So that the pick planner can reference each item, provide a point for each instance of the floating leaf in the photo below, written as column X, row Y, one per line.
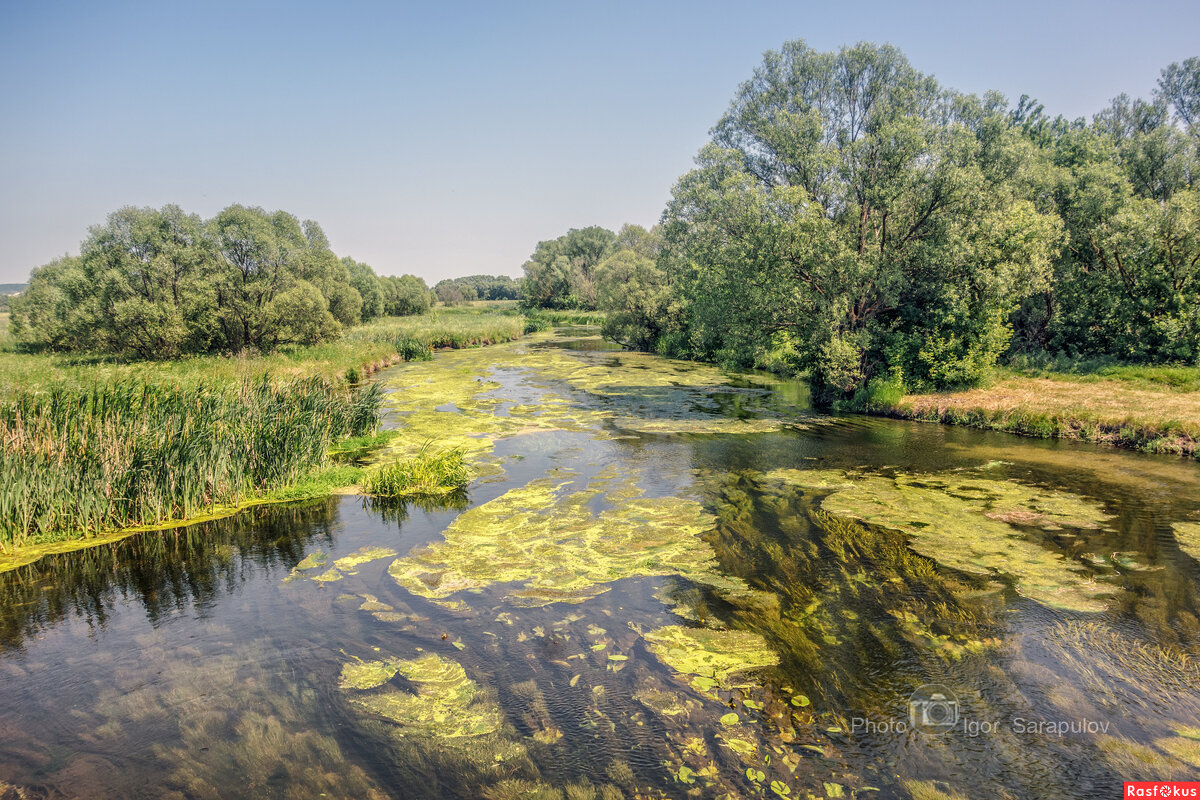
column 730, row 719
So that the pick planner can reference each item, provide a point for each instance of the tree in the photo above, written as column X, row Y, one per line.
column 1179, row 87
column 367, row 284
column 162, row 283
column 855, row 214
column 405, row 296
column 561, row 273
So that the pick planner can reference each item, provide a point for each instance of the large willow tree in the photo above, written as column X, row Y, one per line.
column 853, row 217
column 161, row 283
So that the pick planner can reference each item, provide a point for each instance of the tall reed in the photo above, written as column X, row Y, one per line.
column 76, row 461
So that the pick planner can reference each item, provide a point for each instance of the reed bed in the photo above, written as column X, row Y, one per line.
column 429, row 472
column 116, row 455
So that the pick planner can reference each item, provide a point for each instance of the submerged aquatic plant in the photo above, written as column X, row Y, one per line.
column 972, row 525
column 429, row 472
column 1187, row 536
column 444, row 703
column 719, row 656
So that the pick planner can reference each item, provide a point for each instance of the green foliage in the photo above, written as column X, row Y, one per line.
column 155, row 284
column 634, row 290
column 561, row 273
column 879, row 394
column 879, row 221
column 430, row 471
column 405, row 296
column 477, row 287
column 410, row 348
column 123, row 454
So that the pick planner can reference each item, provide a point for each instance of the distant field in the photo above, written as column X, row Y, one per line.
column 363, row 349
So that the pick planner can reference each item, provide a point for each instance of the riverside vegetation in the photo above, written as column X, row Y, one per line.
column 96, row 444
column 891, row 239
column 664, row 580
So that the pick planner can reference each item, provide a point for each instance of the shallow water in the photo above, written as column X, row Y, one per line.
column 665, row 582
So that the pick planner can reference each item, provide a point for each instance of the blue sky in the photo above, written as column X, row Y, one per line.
column 446, row 139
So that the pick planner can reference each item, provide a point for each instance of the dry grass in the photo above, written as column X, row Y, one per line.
column 1113, row 402
column 1138, row 414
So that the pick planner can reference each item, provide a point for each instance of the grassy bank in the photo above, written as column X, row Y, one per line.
column 1153, row 409
column 362, row 349
column 95, row 446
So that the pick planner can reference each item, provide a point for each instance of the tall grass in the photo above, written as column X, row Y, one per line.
column 544, row 319
column 429, row 472
column 363, row 349
column 125, row 454
column 94, row 444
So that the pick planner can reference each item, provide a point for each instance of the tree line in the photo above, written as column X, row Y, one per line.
column 453, row 291
column 853, row 219
column 163, row 283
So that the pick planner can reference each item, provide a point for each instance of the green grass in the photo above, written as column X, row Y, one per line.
column 544, row 319
column 364, row 349
column 78, row 462
column 94, row 445
column 356, row 448
column 1177, row 377
column 429, row 472
column 319, row 483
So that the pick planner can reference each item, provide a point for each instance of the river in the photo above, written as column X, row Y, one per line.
column 665, row 581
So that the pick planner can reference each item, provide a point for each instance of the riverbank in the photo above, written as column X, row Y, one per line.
column 97, row 449
column 1155, row 410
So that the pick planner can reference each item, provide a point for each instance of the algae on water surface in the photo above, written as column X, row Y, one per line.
column 972, row 525
column 553, row 545
column 719, row 656
column 445, row 703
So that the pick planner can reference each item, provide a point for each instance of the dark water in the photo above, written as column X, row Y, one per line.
column 186, row 664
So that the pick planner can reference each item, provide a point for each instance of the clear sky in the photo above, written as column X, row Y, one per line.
column 447, row 138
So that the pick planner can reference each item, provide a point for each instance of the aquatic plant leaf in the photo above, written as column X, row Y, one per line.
column 446, row 704
column 1184, row 748
column 362, row 556
column 368, row 674
column 331, row 574
column 1187, row 536
column 932, row 790
column 313, row 560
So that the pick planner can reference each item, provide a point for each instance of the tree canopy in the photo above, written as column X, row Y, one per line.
column 854, row 219
column 163, row 283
